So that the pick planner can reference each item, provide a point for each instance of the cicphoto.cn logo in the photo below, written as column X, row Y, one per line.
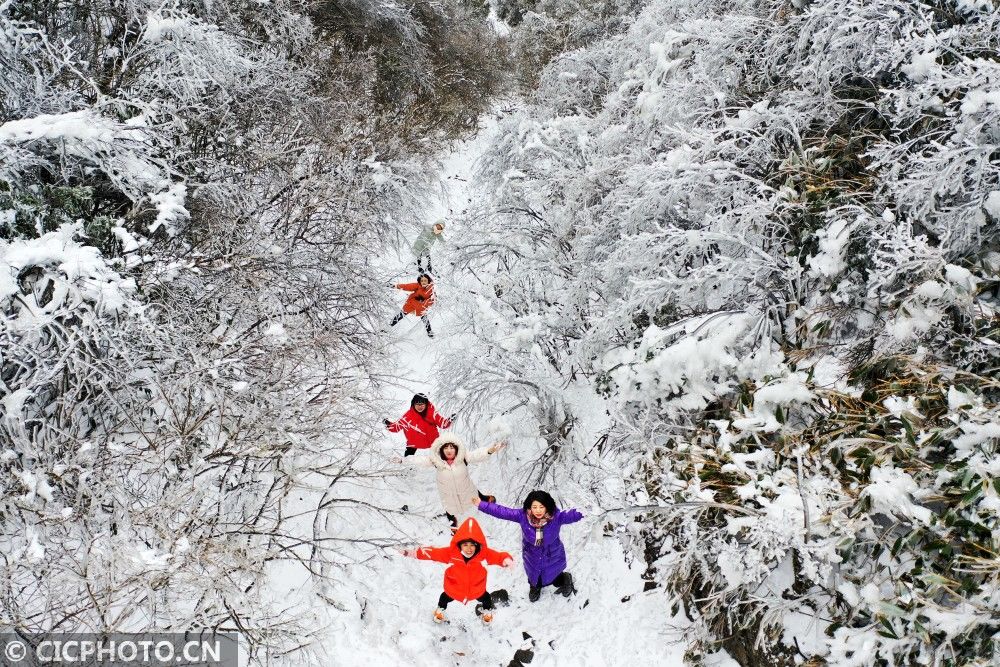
column 147, row 649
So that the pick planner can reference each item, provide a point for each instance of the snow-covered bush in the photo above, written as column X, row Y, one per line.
column 766, row 233
column 434, row 65
column 189, row 197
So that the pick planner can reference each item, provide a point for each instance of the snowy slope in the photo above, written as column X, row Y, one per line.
column 379, row 611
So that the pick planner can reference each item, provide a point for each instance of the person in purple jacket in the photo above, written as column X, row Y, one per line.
column 543, row 553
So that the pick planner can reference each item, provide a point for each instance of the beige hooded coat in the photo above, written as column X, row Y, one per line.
column 454, row 484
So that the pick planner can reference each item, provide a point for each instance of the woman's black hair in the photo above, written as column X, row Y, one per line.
column 425, row 275
column 419, row 398
column 542, row 497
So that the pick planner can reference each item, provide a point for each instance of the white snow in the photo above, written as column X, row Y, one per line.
column 890, row 492
column 952, row 621
column 34, row 551
column 961, row 398
column 776, row 394
column 833, row 240
column 920, row 66
column 76, row 125
column 387, row 600
column 159, row 27
column 978, row 100
column 170, row 208
column 992, row 204
column 973, row 435
column 960, row 277
column 36, row 486
column 79, row 264
column 930, row 289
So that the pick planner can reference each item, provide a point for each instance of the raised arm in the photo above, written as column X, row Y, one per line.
column 483, row 453
column 499, row 511
column 569, row 516
column 438, row 420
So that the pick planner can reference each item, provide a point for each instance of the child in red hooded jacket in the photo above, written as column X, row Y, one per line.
column 465, row 578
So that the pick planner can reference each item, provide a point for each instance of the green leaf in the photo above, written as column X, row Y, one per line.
column 932, row 579
column 972, row 495
column 889, row 609
column 837, row 457
column 896, row 545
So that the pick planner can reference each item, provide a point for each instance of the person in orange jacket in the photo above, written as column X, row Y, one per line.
column 465, row 578
column 421, row 298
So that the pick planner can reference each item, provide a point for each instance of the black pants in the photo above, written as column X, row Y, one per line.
column 410, row 451
column 485, row 599
column 400, row 315
column 558, row 582
column 420, row 267
column 454, row 519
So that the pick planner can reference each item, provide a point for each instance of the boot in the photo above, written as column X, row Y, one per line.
column 534, row 593
column 486, row 616
column 567, row 586
column 439, row 615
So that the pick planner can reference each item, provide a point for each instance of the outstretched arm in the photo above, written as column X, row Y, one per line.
column 437, row 554
column 409, row 287
column 416, row 461
column 499, row 511
column 494, row 557
column 483, row 453
column 570, row 516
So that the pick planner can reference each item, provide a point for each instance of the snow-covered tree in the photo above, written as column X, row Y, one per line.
column 189, row 198
column 766, row 234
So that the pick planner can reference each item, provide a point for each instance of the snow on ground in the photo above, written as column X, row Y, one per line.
column 379, row 610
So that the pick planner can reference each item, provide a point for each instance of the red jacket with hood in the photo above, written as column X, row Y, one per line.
column 421, row 298
column 465, row 580
column 421, row 430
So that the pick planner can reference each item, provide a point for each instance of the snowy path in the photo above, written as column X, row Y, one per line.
column 387, row 619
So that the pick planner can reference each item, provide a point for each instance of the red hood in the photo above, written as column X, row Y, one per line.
column 469, row 530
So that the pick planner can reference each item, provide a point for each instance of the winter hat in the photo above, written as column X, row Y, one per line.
column 542, row 497
column 419, row 398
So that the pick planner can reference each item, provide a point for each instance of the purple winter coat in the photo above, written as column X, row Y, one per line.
column 547, row 560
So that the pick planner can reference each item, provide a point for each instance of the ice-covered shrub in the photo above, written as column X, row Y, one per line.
column 766, row 234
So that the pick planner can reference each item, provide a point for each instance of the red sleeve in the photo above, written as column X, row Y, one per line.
column 494, row 557
column 396, row 426
column 437, row 554
column 409, row 287
column 438, row 420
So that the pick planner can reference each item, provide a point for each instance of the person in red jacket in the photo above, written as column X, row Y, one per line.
column 465, row 579
column 419, row 424
column 421, row 298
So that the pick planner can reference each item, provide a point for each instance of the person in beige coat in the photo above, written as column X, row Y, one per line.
column 450, row 458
